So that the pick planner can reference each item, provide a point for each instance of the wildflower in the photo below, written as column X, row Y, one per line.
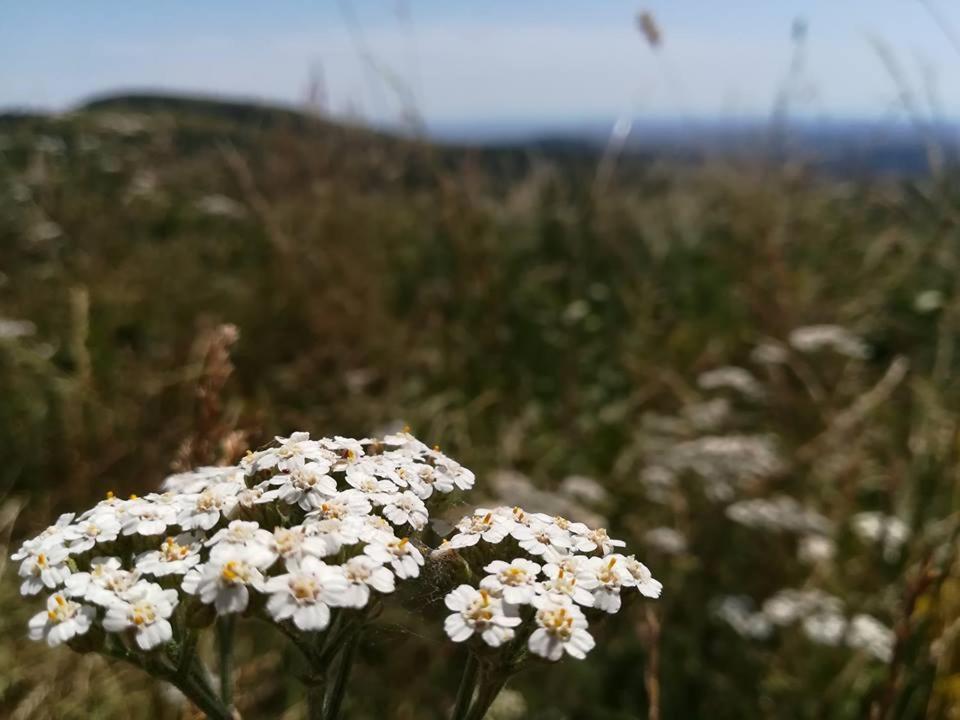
column 42, row 567
column 295, row 449
column 609, row 574
column 561, row 627
column 569, row 585
column 483, row 524
column 886, row 530
column 175, row 556
column 514, row 581
column 736, row 612
column 401, row 554
column 363, row 573
column 869, row 634
column 61, row 621
column 148, row 516
column 597, row 540
column 477, row 611
column 145, row 607
column 306, row 484
column 539, row 538
column 101, row 528
column 825, row 628
column 640, row 577
column 406, row 508
column 815, row 338
column 103, row 583
column 816, row 548
column 733, row 378
column 666, row 540
column 204, row 510
column 341, row 505
column 305, row 594
column 224, row 581
column 379, row 491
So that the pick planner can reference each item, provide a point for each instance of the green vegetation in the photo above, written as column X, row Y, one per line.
column 529, row 315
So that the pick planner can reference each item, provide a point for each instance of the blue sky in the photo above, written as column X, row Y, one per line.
column 485, row 61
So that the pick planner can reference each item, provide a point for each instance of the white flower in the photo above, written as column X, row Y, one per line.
column 241, row 533
column 566, row 585
column 306, row 593
column 61, row 621
column 826, row 628
column 105, row 581
column 459, row 475
column 539, row 538
column 148, row 516
column 515, row 582
column 199, row 479
column 225, row 581
column 561, row 628
column 294, row 449
column 205, row 509
column 42, row 567
column 814, row 338
column 477, row 611
column 888, row 531
column 362, row 573
column 815, row 549
column 342, row 505
column 401, row 554
column 610, row 576
column 869, row 634
column 293, row 544
column 334, row 533
column 406, row 508
column 175, row 556
column 306, row 484
column 597, row 540
column 424, row 479
column 144, row 607
column 482, row 525
column 641, row 578
column 100, row 528
column 362, row 479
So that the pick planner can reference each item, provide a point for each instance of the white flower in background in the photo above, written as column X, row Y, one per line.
column 400, row 554
column 814, row 549
column 483, row 524
column 145, row 607
column 514, row 581
column 305, row 594
column 477, row 611
column 788, row 606
column 825, row 628
column 732, row 378
column 204, row 510
column 737, row 612
column 610, row 575
column 561, row 627
column 869, row 634
column 363, row 573
column 100, row 528
column 815, row 338
column 225, row 581
column 175, row 556
column 43, row 567
column 61, row 621
column 306, row 484
column 666, row 540
column 886, row 530
column 406, row 509
column 769, row 352
column 640, row 577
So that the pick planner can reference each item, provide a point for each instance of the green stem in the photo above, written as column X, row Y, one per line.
column 316, row 690
column 338, row 691
column 225, row 627
column 491, row 683
column 468, row 683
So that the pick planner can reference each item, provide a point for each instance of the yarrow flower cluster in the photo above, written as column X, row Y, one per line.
column 311, row 535
column 548, row 575
column 309, row 524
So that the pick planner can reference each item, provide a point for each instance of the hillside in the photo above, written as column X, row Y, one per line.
column 542, row 316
